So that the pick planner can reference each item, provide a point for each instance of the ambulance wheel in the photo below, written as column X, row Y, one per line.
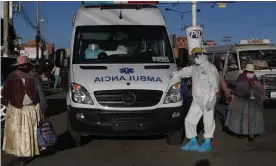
column 176, row 138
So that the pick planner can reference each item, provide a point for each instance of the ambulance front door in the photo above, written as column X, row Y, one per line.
column 232, row 71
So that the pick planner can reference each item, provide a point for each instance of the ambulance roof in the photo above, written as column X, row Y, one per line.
column 253, row 44
column 253, row 47
column 89, row 15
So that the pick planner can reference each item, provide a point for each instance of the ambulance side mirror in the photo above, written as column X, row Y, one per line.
column 59, row 57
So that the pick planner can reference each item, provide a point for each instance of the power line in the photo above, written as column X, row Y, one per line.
column 239, row 15
column 244, row 13
column 26, row 18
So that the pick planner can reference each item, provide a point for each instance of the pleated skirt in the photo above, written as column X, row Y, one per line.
column 20, row 133
column 245, row 117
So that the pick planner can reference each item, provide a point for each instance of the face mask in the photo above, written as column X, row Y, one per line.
column 25, row 70
column 93, row 47
column 250, row 75
column 197, row 61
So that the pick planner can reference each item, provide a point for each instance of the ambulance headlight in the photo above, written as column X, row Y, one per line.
column 174, row 94
column 80, row 94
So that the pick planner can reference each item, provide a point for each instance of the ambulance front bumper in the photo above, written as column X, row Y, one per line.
column 126, row 123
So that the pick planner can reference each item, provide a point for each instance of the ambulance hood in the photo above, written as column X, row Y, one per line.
column 263, row 72
column 124, row 76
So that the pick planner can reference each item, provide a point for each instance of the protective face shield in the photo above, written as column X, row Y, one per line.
column 199, row 55
column 200, row 58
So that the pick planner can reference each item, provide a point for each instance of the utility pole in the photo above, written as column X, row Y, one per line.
column 37, row 30
column 11, row 12
column 194, row 14
column 194, row 32
column 42, row 37
column 6, row 28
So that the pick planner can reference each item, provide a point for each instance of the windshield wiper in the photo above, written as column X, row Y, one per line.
column 120, row 55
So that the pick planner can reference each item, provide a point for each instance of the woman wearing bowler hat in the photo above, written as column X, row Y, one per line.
column 245, row 117
column 23, row 114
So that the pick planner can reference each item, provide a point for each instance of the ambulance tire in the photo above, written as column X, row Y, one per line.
column 176, row 138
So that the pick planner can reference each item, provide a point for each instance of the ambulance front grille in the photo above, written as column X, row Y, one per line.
column 270, row 81
column 114, row 98
column 128, row 117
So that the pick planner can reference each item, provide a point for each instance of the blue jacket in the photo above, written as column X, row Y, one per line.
column 89, row 54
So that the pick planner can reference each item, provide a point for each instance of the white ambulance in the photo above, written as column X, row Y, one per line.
column 259, row 52
column 120, row 73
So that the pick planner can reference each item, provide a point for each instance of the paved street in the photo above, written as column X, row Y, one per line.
column 227, row 150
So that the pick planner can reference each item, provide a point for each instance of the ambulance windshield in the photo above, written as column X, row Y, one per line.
column 121, row 44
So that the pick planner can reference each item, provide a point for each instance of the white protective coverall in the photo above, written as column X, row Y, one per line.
column 205, row 84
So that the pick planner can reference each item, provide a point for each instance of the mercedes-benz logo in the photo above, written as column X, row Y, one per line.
column 129, row 98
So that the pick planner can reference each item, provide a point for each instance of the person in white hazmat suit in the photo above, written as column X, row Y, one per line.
column 205, row 84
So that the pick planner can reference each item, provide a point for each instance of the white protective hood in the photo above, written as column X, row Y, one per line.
column 116, row 77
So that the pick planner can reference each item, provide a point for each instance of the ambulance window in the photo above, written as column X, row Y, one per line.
column 232, row 62
column 122, row 44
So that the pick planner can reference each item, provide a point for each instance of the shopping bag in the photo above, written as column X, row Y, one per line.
column 46, row 135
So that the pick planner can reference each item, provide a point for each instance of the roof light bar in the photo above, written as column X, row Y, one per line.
column 255, row 41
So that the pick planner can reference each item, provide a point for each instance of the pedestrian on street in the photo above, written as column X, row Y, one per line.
column 245, row 116
column 205, row 84
column 225, row 92
column 24, row 111
column 56, row 72
column 35, row 71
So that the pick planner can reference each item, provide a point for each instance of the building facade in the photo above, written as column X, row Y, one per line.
column 29, row 49
column 32, row 43
column 181, row 42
